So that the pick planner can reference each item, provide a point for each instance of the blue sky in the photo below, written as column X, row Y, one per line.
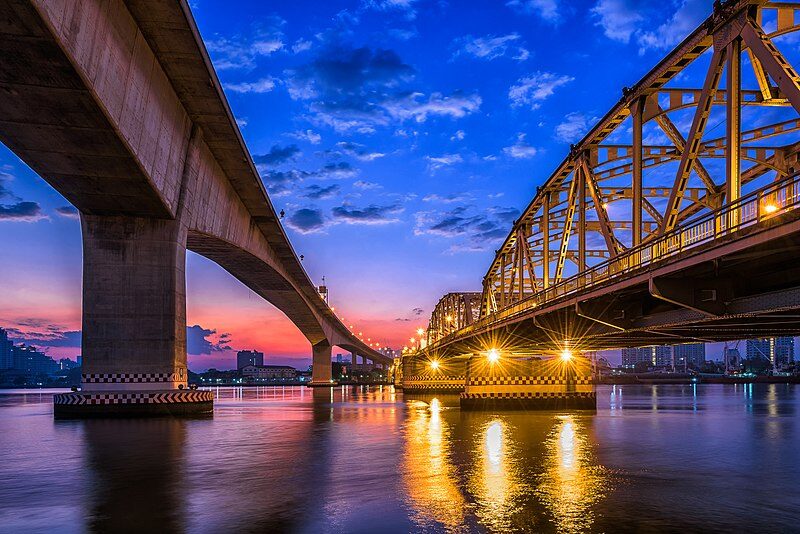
column 400, row 137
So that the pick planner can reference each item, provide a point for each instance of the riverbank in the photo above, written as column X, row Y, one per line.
column 660, row 378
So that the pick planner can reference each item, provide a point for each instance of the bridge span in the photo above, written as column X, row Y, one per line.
column 655, row 229
column 117, row 105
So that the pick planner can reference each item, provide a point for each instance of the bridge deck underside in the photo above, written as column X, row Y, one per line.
column 735, row 289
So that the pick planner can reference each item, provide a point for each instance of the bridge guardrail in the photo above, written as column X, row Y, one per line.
column 749, row 210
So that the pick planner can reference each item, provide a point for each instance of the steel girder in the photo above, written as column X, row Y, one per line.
column 573, row 220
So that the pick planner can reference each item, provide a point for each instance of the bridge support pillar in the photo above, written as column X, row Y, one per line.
column 321, row 365
column 134, row 321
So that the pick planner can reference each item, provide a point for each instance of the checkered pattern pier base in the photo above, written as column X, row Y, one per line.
column 140, row 403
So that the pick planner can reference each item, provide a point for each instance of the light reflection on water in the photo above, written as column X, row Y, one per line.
column 679, row 458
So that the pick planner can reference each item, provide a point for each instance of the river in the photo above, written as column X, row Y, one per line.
column 682, row 458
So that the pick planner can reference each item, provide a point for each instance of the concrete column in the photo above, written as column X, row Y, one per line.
column 321, row 366
column 134, row 304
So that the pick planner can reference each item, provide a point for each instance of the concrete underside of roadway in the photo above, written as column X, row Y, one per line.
column 739, row 288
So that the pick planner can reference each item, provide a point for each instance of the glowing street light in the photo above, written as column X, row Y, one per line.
column 770, row 208
column 566, row 355
column 420, row 331
column 412, row 340
column 434, row 364
column 493, row 355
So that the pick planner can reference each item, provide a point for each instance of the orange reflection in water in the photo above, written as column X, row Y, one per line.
column 571, row 482
column 495, row 483
column 428, row 475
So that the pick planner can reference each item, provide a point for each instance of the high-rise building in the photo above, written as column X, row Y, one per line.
column 6, row 351
column 32, row 361
column 338, row 358
column 689, row 354
column 784, row 350
column 733, row 360
column 654, row 356
column 778, row 350
column 249, row 357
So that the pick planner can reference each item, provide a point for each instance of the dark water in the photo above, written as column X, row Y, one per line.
column 654, row 458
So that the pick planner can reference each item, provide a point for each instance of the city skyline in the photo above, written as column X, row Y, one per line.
column 394, row 144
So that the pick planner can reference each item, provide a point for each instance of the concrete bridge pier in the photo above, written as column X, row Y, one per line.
column 134, row 321
column 321, row 365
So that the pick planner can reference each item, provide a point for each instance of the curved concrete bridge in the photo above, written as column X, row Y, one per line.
column 116, row 104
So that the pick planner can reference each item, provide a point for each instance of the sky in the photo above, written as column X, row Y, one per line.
column 400, row 137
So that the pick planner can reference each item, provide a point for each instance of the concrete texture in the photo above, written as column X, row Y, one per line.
column 117, row 106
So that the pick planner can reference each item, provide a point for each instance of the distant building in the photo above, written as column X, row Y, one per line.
column 733, row 360
column 249, row 357
column 690, row 354
column 269, row 372
column 777, row 350
column 654, row 356
column 65, row 364
column 338, row 358
column 6, row 351
column 31, row 361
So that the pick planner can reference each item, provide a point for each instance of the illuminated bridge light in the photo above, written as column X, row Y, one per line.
column 420, row 331
column 435, row 365
column 566, row 355
column 770, row 208
column 493, row 355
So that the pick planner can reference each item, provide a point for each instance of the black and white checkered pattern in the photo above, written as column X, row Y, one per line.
column 527, row 380
column 529, row 395
column 97, row 378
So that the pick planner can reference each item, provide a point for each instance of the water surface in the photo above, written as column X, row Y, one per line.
column 355, row 459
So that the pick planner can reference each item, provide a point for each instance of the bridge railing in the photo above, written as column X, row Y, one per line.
column 748, row 211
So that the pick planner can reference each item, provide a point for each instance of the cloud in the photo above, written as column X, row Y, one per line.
column 70, row 212
column 682, row 23
column 40, row 333
column 318, row 192
column 243, row 52
column 5, row 192
column 201, row 340
column 470, row 229
column 369, row 215
column 534, row 89
column 241, row 121
column 306, row 220
column 21, row 212
column 358, row 151
column 409, row 106
column 405, row 7
column 264, row 85
column 308, row 135
column 361, row 184
column 301, row 45
column 620, row 19
column 341, row 70
column 574, row 126
column 280, row 183
column 521, row 149
column 491, row 47
column 445, row 160
column 417, row 312
column 459, row 136
column 627, row 20
column 277, row 155
column 358, row 90
column 447, row 199
column 547, row 10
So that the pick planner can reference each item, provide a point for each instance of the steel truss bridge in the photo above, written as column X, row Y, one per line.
column 673, row 220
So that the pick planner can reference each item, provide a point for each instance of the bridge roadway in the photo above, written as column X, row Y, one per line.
column 117, row 105
column 613, row 253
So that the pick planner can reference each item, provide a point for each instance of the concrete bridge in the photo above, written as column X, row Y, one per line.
column 117, row 105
